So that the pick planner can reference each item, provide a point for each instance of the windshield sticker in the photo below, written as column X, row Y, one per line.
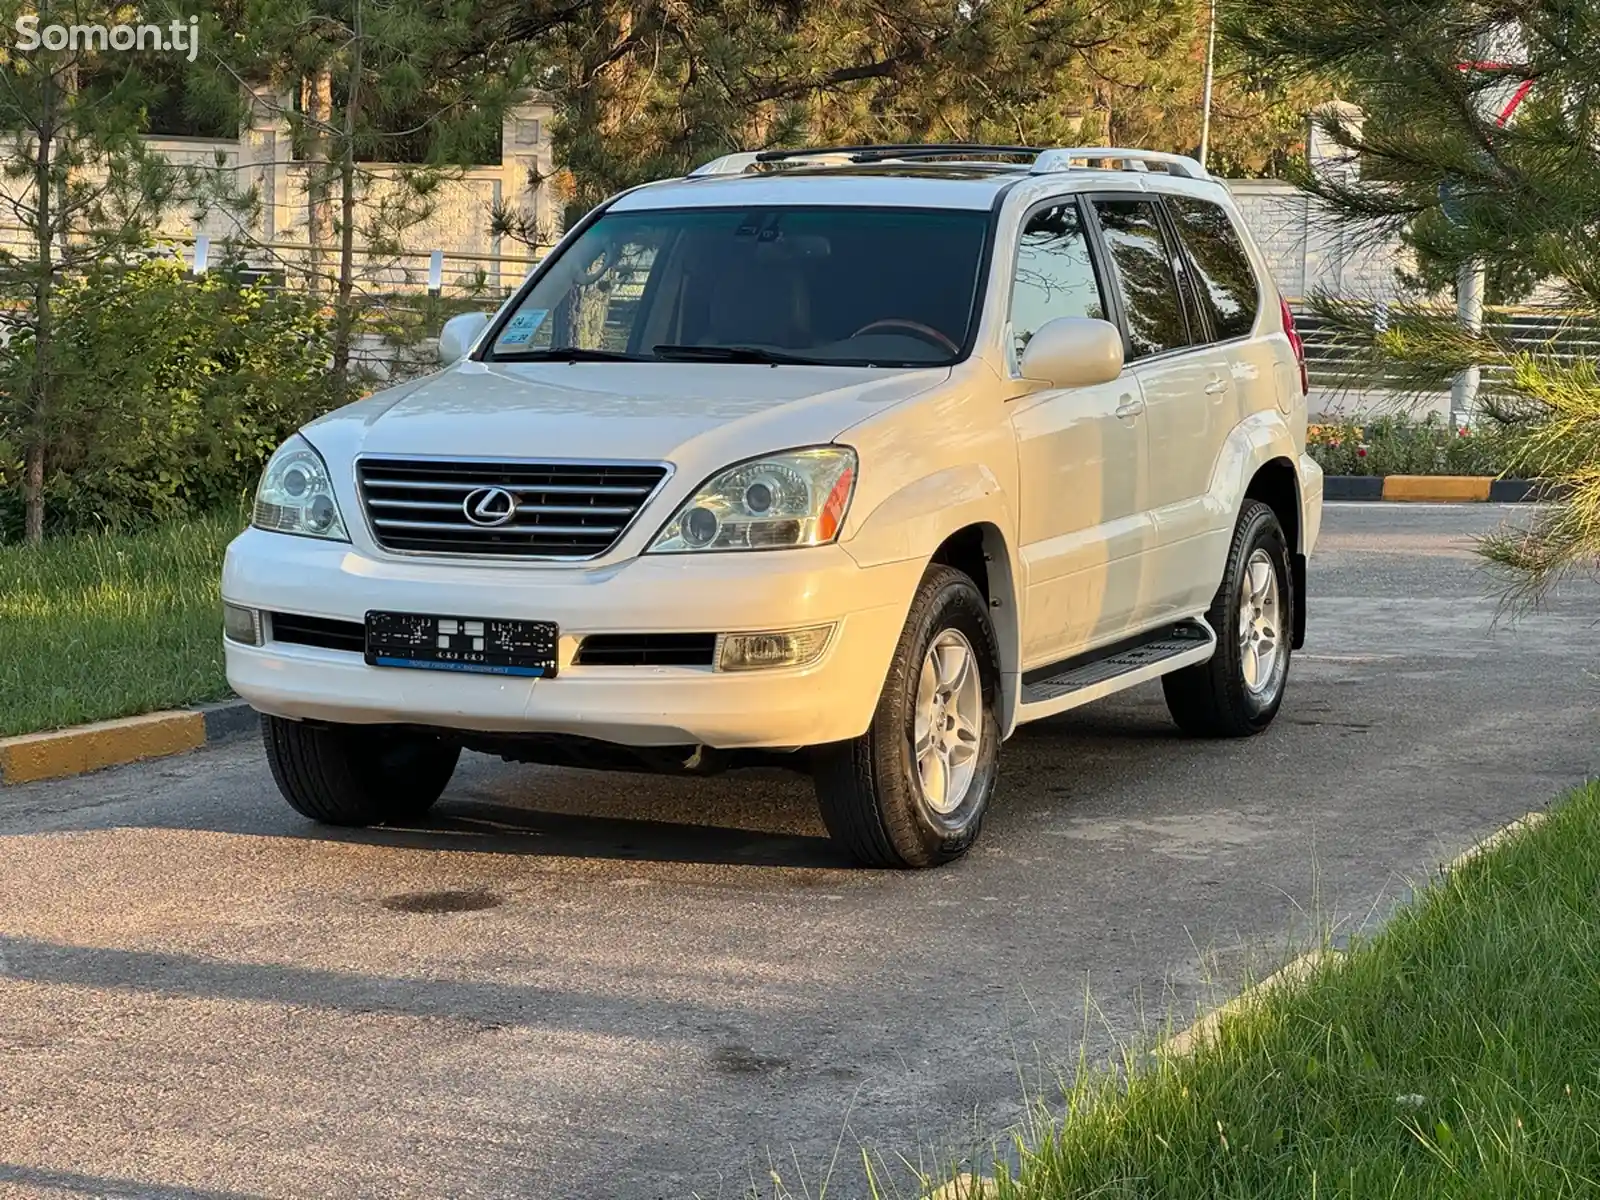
column 523, row 326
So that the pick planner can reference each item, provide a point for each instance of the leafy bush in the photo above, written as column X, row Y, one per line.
column 171, row 393
column 1402, row 446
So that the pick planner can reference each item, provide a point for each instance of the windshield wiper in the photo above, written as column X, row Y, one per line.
column 733, row 354
column 568, row 354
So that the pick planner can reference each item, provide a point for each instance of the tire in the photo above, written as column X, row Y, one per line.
column 357, row 774
column 871, row 791
column 1228, row 696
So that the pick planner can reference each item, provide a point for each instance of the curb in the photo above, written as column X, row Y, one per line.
column 32, row 757
column 1436, row 488
column 1298, row 970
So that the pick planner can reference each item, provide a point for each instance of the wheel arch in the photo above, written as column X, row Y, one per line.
column 1276, row 484
column 959, row 517
column 1259, row 461
column 979, row 551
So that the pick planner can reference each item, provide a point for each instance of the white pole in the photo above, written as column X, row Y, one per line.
column 1211, row 67
column 436, row 272
column 202, row 253
column 1469, row 309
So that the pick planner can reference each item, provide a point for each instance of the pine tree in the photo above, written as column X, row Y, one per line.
column 1479, row 149
column 85, row 196
column 646, row 89
column 386, row 100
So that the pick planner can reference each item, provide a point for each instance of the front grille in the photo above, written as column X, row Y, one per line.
column 647, row 650
column 563, row 510
column 319, row 631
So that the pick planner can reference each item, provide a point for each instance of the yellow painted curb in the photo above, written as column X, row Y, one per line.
column 1436, row 487
column 35, row 756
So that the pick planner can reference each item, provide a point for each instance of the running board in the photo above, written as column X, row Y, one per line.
column 1087, row 677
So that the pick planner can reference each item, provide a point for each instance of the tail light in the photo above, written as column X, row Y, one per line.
column 1299, row 345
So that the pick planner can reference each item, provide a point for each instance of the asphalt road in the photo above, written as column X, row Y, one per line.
column 662, row 988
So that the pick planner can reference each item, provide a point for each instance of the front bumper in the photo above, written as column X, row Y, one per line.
column 636, row 706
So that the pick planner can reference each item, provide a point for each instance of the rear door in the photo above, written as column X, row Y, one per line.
column 1081, row 455
column 1181, row 379
column 1239, row 380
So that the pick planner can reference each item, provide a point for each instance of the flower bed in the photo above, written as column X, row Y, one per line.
column 1402, row 446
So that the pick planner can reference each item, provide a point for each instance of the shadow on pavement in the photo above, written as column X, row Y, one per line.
column 100, row 1185
column 487, row 1003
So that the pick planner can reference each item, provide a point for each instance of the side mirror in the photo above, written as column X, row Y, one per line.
column 1073, row 352
column 458, row 334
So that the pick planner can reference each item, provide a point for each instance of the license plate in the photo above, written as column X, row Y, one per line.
column 476, row 645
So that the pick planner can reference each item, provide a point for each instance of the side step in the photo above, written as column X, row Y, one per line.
column 1087, row 677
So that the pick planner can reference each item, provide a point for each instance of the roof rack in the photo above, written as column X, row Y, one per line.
column 1044, row 159
column 1139, row 160
column 738, row 164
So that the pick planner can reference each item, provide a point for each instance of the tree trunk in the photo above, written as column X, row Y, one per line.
column 36, row 430
column 344, row 308
column 33, row 494
column 316, row 102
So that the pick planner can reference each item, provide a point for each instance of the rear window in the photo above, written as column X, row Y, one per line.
column 831, row 285
column 1228, row 289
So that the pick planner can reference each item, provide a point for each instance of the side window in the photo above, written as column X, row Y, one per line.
column 1144, row 273
column 1226, row 282
column 1055, row 275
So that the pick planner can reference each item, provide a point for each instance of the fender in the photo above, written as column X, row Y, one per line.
column 912, row 521
column 915, row 520
column 1260, row 438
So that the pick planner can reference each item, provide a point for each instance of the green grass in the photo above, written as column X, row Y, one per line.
column 109, row 625
column 1455, row 1053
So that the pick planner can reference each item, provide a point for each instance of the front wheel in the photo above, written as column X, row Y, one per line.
column 1238, row 691
column 357, row 774
column 912, row 791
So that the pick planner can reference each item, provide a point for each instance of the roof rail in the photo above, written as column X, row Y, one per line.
column 738, row 164
column 728, row 164
column 883, row 150
column 1042, row 159
column 1066, row 159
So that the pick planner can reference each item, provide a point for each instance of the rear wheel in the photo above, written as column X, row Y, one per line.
column 912, row 791
column 1238, row 692
column 357, row 774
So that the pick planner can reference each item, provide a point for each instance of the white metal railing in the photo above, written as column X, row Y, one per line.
column 1336, row 356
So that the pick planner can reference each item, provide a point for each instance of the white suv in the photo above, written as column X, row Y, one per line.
column 854, row 459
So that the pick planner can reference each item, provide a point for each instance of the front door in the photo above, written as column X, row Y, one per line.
column 1081, row 451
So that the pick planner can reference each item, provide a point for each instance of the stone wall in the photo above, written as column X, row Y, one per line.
column 1309, row 250
column 261, row 159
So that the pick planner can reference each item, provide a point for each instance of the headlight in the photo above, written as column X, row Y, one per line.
column 798, row 498
column 296, row 496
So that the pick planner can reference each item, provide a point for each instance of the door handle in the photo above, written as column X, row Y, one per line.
column 1130, row 407
column 1216, row 387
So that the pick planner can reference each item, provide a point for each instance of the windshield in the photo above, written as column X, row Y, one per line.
column 838, row 286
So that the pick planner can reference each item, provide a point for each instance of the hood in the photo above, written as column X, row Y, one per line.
column 675, row 412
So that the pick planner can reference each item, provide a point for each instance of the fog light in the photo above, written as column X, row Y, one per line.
column 779, row 648
column 241, row 625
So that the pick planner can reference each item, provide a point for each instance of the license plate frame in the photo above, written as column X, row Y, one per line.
column 466, row 645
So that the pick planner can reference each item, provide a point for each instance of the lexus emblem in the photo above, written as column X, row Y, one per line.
column 489, row 506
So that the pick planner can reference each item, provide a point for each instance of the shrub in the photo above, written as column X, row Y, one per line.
column 171, row 393
column 1403, row 446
